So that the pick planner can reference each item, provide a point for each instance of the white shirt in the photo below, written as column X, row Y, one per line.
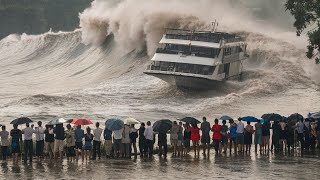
column 4, row 138
column 117, row 134
column 28, row 133
column 39, row 133
column 97, row 134
column 240, row 127
column 126, row 132
column 148, row 133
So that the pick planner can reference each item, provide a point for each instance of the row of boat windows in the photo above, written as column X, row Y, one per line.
column 188, row 50
column 182, row 67
column 198, row 51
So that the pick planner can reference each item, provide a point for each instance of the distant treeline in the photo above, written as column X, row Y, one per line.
column 38, row 16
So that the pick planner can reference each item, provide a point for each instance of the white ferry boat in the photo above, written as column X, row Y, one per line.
column 198, row 59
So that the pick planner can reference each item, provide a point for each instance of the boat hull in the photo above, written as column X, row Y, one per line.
column 187, row 82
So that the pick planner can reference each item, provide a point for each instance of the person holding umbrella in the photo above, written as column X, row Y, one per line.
column 186, row 138
column 162, row 143
column 79, row 135
column 28, row 144
column 16, row 139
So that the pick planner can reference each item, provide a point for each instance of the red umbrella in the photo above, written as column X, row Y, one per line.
column 81, row 122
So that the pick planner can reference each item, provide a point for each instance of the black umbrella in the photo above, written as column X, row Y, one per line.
column 190, row 120
column 295, row 117
column 22, row 120
column 163, row 125
column 272, row 117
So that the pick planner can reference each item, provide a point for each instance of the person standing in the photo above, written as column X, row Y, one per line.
column 88, row 138
column 28, row 144
column 39, row 140
column 187, row 138
column 180, row 140
column 107, row 134
column 174, row 137
column 59, row 140
column 266, row 135
column 117, row 142
column 205, row 138
column 307, row 130
column 240, row 135
column 313, row 135
column 79, row 135
column 224, row 136
column 216, row 137
column 258, row 136
column 195, row 138
column 96, row 142
column 16, row 139
column 148, row 133
column 142, row 140
column 126, row 142
column 300, row 131
column 162, row 143
column 233, row 136
column 133, row 138
column 49, row 140
column 70, row 141
column 248, row 136
column 4, row 134
column 276, row 130
column 283, row 135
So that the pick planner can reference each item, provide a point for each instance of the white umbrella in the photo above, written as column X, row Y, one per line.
column 57, row 121
column 129, row 121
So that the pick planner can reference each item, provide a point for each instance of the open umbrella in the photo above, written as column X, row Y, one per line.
column 56, row 121
column 81, row 122
column 295, row 117
column 22, row 120
column 190, row 120
column 272, row 117
column 250, row 119
column 163, row 125
column 315, row 115
column 130, row 121
column 114, row 124
column 225, row 117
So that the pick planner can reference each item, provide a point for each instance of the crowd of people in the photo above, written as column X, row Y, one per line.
column 235, row 137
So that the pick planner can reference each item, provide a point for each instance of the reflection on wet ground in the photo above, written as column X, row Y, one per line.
column 250, row 166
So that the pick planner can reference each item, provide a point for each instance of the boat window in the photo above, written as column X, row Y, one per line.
column 221, row 69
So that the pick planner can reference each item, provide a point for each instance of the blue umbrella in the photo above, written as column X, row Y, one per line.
column 114, row 124
column 225, row 117
column 250, row 119
column 261, row 120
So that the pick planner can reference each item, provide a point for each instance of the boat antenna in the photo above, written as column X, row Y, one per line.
column 216, row 27
column 213, row 24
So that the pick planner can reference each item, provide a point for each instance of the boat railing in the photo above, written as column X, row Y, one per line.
column 204, row 36
column 177, row 69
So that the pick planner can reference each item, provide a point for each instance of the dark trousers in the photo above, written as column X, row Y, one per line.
column 142, row 147
column 216, row 145
column 28, row 149
column 96, row 149
column 39, row 148
column 149, row 144
column 163, row 149
column 4, row 150
column 301, row 139
column 307, row 141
